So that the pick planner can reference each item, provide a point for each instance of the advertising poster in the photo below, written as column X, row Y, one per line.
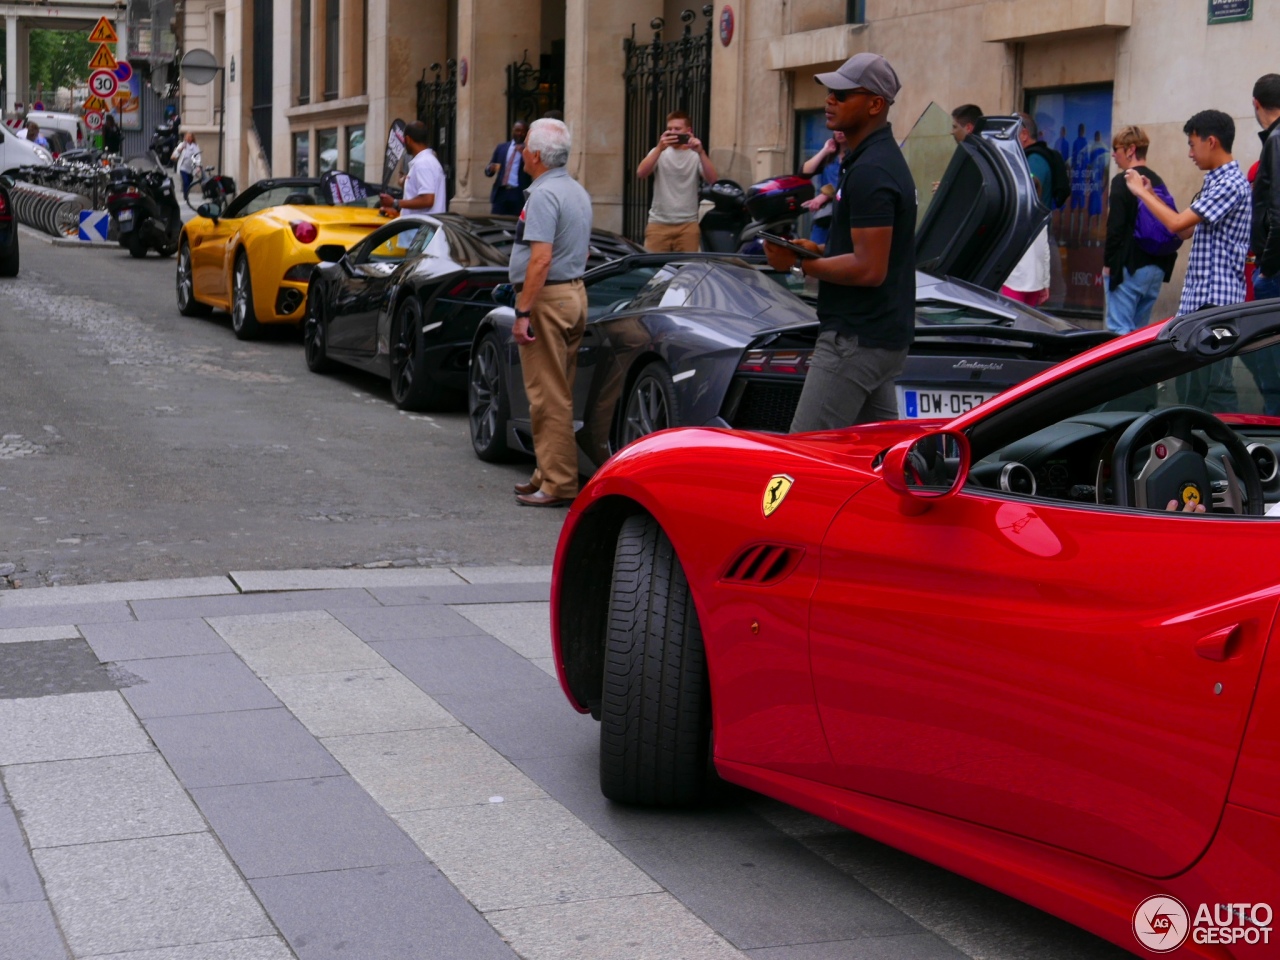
column 128, row 104
column 1077, row 123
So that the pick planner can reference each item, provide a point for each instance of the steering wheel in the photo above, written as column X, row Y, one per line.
column 1175, row 468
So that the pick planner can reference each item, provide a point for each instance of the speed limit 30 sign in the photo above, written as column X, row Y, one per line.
column 104, row 83
column 93, row 120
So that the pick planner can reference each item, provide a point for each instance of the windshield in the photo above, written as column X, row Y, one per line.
column 296, row 193
column 928, row 149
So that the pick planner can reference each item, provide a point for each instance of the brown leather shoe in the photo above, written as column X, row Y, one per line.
column 540, row 499
column 524, row 489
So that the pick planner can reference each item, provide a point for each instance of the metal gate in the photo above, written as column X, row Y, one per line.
column 532, row 91
column 438, row 109
column 661, row 76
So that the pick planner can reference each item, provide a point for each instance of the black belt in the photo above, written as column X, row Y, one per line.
column 550, row 283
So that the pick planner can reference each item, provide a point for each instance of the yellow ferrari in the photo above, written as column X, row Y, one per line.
column 254, row 258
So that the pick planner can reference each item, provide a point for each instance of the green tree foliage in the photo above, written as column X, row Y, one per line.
column 59, row 58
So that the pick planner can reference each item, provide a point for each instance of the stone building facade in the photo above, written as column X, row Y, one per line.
column 317, row 78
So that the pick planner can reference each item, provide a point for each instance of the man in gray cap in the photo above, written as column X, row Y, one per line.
column 866, row 272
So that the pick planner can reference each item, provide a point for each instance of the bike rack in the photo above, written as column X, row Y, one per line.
column 56, row 212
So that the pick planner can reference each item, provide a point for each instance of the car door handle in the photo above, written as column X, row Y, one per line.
column 1220, row 644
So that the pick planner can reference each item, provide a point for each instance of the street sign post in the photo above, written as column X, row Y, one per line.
column 103, row 59
column 103, row 32
column 95, row 103
column 103, row 83
column 93, row 120
column 124, row 70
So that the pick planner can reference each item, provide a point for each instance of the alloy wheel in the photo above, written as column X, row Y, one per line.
column 239, row 296
column 646, row 410
column 486, row 389
column 185, row 288
column 313, row 332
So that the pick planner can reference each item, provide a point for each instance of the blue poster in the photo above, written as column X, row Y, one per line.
column 1077, row 123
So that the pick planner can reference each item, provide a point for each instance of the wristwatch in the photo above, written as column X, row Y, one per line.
column 396, row 204
column 797, row 270
column 521, row 314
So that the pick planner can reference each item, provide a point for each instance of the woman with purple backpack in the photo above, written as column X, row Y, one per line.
column 1140, row 252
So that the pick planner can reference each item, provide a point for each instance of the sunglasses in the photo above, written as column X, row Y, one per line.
column 840, row 96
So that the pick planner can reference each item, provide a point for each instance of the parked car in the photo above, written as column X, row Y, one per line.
column 17, row 152
column 1000, row 643
column 254, row 257
column 70, row 124
column 405, row 302
column 9, row 256
column 675, row 339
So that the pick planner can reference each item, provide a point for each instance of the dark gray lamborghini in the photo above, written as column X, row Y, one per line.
column 685, row 339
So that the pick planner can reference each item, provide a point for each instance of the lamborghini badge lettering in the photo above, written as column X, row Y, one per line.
column 776, row 491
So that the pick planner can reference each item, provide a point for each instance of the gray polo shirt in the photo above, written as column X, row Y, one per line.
column 557, row 211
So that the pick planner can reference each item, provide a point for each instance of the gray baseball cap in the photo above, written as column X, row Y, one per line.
column 868, row 70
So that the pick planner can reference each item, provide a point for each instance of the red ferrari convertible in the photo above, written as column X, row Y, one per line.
column 1029, row 645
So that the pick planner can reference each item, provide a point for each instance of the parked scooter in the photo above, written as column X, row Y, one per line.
column 143, row 204
column 738, row 216
column 165, row 140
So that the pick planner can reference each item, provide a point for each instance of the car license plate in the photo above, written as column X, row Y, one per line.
column 124, row 215
column 923, row 403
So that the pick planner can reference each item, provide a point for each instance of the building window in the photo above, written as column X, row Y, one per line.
column 326, row 151
column 332, row 33
column 364, row 46
column 355, row 151
column 302, row 154
column 856, row 11
column 304, row 53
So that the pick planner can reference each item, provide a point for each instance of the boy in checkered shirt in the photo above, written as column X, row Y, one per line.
column 1220, row 215
column 1218, row 221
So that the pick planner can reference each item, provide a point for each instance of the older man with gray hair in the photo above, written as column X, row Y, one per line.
column 547, row 262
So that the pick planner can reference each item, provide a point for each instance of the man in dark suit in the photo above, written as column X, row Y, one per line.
column 512, row 181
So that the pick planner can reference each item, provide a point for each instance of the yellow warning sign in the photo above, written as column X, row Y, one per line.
column 103, row 59
column 95, row 103
column 103, row 32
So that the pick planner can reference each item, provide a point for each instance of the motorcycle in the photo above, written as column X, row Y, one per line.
column 738, row 216
column 165, row 140
column 142, row 202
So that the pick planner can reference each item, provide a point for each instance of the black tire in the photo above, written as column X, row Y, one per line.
column 650, row 406
column 184, row 282
column 136, row 247
column 244, row 322
column 655, row 711
column 10, row 259
column 488, row 406
column 314, row 332
column 411, row 387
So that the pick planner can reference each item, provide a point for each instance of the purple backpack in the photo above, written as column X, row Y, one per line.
column 1153, row 237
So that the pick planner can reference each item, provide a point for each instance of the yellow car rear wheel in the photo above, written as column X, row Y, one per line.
column 244, row 321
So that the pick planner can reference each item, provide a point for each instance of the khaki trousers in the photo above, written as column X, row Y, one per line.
column 549, row 363
column 672, row 237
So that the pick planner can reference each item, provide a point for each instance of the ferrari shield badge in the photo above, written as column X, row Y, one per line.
column 775, row 491
column 1190, row 494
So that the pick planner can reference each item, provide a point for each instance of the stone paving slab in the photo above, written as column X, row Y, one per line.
column 30, row 634
column 247, row 604
column 32, row 925
column 68, row 727
column 427, row 769
column 248, row 746
column 258, row 581
column 508, row 574
column 99, row 799
column 478, row 593
column 281, row 645
column 406, row 623
column 524, row 627
column 257, row 948
column 104, row 592
column 303, row 826
column 144, row 894
column 402, row 912
column 46, row 668
column 19, row 882
column 181, row 686
column 358, row 701
column 114, row 642
column 475, row 665
column 80, row 614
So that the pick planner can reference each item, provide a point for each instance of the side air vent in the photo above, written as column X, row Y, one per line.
column 763, row 563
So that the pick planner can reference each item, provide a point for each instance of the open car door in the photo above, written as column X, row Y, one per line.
column 985, row 212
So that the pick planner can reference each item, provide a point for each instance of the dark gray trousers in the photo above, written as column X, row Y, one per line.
column 848, row 384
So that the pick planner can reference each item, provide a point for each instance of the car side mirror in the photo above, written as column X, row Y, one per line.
column 925, row 469
column 211, row 210
column 331, row 252
column 504, row 295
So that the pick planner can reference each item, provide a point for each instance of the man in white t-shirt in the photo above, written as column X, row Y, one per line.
column 424, row 185
column 677, row 164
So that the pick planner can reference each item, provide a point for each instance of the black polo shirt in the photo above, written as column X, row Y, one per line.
column 876, row 190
